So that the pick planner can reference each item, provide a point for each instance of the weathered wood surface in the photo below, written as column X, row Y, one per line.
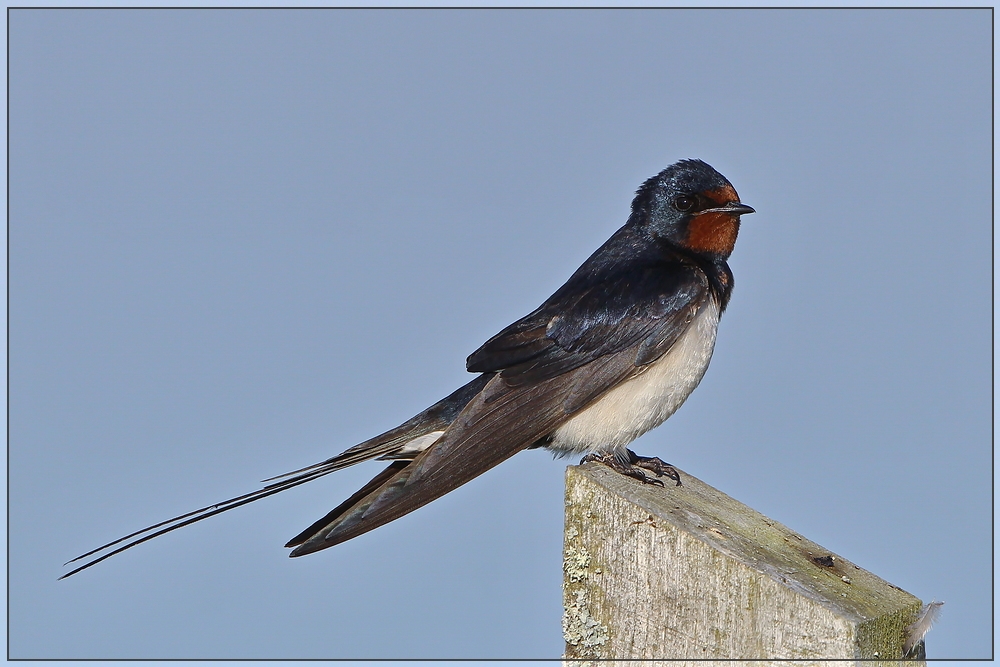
column 690, row 573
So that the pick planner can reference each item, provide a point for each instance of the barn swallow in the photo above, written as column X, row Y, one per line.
column 612, row 354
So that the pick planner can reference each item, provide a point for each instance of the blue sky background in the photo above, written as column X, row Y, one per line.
column 242, row 241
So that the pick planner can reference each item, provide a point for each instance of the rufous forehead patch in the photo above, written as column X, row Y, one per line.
column 722, row 196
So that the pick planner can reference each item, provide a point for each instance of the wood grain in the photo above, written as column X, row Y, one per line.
column 690, row 573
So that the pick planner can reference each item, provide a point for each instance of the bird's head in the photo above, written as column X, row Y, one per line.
column 692, row 206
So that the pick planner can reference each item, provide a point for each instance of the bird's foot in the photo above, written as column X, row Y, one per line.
column 654, row 464
column 633, row 465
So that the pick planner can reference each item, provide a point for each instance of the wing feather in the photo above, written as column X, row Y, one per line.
column 497, row 424
column 647, row 304
column 600, row 329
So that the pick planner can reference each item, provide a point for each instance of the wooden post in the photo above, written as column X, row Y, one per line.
column 689, row 573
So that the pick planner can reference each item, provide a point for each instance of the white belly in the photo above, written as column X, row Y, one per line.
column 644, row 402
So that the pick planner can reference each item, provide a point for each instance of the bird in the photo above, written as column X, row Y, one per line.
column 610, row 355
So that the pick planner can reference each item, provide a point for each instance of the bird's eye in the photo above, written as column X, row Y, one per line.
column 684, row 203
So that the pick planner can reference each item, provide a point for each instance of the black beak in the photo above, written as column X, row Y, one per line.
column 733, row 207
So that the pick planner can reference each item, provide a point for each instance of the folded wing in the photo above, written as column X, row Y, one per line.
column 582, row 342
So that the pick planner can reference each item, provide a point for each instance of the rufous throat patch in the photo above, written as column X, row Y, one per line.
column 713, row 232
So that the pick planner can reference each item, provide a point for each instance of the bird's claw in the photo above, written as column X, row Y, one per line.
column 655, row 465
column 634, row 465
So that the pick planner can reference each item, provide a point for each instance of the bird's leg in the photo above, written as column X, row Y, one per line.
column 632, row 465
